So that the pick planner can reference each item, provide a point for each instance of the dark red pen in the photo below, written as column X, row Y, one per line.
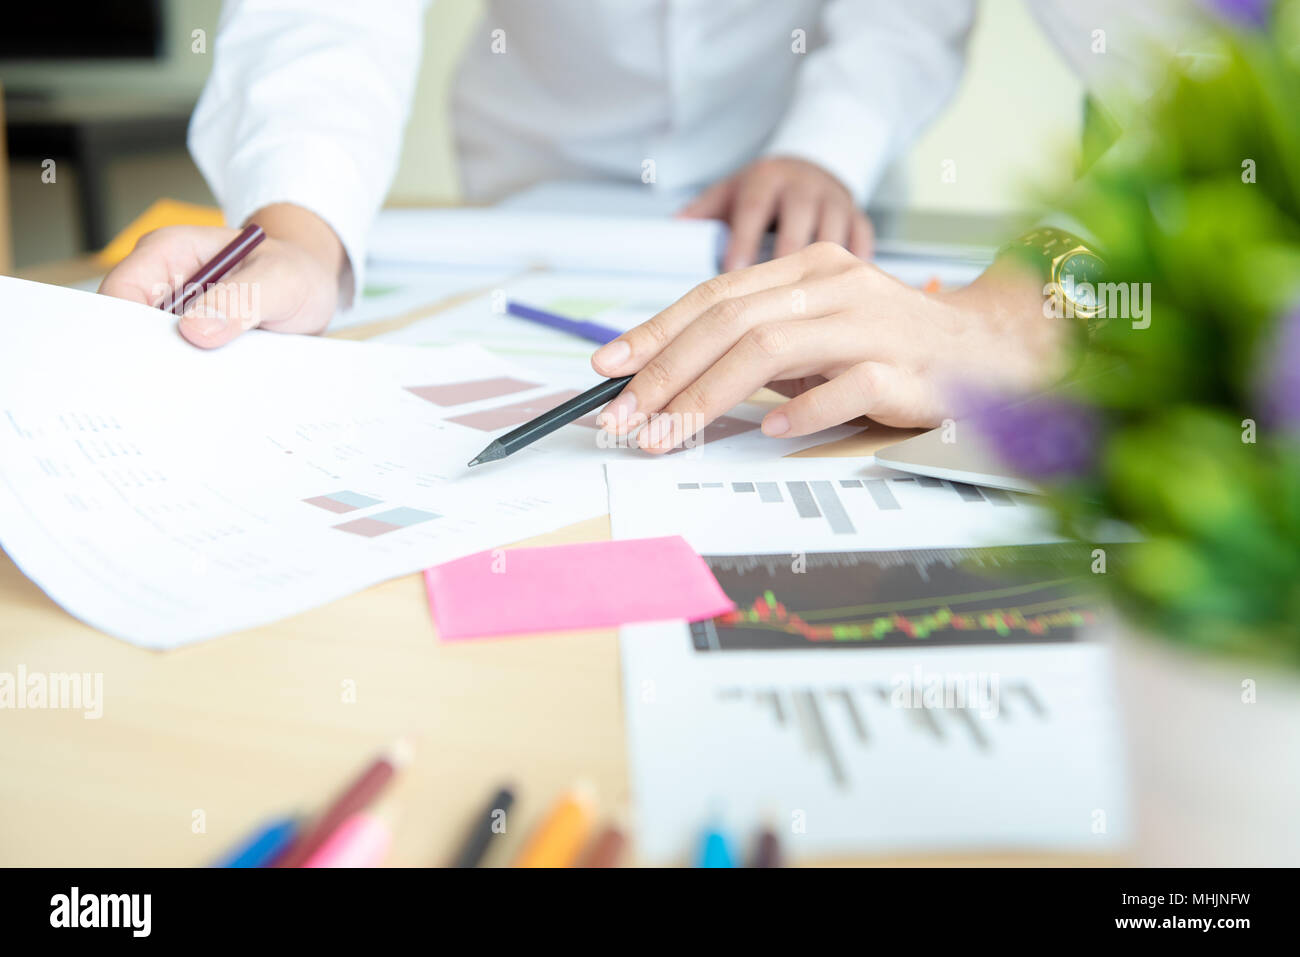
column 211, row 272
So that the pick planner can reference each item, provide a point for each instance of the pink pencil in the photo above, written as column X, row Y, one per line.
column 362, row 840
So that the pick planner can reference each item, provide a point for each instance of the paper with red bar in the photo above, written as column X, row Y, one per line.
column 568, row 587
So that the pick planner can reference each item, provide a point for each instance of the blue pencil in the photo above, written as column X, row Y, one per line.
column 582, row 328
column 714, row 850
column 263, row 847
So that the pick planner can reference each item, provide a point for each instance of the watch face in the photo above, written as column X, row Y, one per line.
column 1080, row 273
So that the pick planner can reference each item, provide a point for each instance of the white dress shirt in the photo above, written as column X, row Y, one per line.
column 307, row 99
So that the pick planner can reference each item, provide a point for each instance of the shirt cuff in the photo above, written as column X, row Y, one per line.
column 833, row 131
column 318, row 184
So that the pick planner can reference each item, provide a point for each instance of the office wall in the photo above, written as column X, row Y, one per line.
column 1016, row 111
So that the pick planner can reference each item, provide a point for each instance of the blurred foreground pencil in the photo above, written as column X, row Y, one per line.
column 606, row 849
column 484, row 828
column 559, row 838
column 767, row 849
column 263, row 846
column 714, row 850
column 363, row 840
column 355, row 798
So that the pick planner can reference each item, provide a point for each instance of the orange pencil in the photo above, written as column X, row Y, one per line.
column 558, row 840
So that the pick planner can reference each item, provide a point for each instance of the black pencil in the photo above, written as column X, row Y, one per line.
column 487, row 825
column 548, row 422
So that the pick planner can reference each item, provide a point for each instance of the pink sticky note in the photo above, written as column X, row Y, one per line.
column 563, row 587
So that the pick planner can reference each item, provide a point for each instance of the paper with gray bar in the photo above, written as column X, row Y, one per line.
column 814, row 741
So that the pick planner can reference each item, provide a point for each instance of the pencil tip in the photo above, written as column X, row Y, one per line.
column 473, row 462
column 401, row 752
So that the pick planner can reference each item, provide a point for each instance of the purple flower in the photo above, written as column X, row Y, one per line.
column 1279, row 378
column 1243, row 13
column 1043, row 437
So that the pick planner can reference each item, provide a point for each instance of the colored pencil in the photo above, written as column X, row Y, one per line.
column 606, row 849
column 263, row 846
column 582, row 328
column 714, row 850
column 363, row 840
column 355, row 798
column 483, row 830
column 558, row 840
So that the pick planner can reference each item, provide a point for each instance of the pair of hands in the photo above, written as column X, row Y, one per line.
column 296, row 270
column 839, row 336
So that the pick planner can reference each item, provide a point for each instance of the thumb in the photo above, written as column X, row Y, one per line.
column 223, row 312
column 713, row 203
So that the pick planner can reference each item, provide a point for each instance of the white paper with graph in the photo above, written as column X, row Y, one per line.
column 867, row 696
column 166, row 494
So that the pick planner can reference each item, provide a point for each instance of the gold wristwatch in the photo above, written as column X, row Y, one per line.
column 1071, row 271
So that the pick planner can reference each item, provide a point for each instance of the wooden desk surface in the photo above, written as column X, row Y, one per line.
column 199, row 745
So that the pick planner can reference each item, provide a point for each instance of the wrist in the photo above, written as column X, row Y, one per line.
column 1007, row 302
column 302, row 228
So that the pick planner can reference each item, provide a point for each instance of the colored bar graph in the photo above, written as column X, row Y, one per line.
column 517, row 413
column 459, row 393
column 341, row 502
column 382, row 523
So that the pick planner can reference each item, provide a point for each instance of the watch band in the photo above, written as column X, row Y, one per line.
column 1046, row 249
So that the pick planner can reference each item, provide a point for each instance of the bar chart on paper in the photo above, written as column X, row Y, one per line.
column 817, row 504
column 826, row 499
column 839, row 723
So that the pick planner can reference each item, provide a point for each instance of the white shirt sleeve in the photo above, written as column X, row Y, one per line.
column 306, row 104
column 886, row 69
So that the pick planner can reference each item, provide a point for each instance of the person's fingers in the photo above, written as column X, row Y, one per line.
column 835, row 223
column 223, row 312
column 702, row 343
column 163, row 260
column 751, row 214
column 862, row 236
column 634, row 348
column 876, row 389
column 796, row 222
column 775, row 350
column 713, row 203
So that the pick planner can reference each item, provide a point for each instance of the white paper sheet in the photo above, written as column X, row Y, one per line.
column 598, row 198
column 524, row 240
column 845, row 771
column 166, row 494
column 814, row 742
